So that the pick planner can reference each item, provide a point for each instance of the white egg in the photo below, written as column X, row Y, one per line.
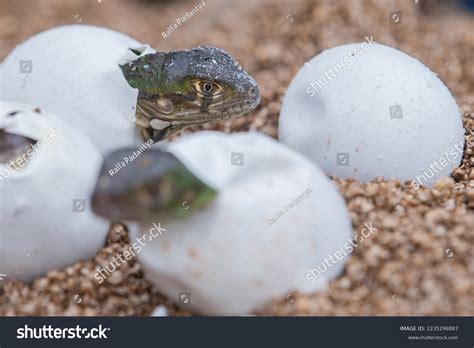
column 368, row 110
column 73, row 71
column 275, row 218
column 160, row 311
column 45, row 186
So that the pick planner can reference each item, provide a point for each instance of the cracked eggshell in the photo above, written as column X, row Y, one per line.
column 348, row 129
column 275, row 217
column 40, row 232
column 75, row 74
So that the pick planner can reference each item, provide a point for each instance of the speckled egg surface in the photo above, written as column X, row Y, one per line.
column 365, row 110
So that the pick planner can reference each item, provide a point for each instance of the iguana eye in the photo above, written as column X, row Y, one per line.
column 207, row 87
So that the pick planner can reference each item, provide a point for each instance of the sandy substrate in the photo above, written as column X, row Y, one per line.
column 419, row 262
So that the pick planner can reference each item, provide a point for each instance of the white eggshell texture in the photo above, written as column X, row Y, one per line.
column 75, row 74
column 349, row 117
column 40, row 231
column 229, row 257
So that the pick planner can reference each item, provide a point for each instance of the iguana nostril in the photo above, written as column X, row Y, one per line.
column 254, row 94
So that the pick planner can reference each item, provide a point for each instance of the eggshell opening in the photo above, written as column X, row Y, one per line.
column 75, row 73
column 42, row 226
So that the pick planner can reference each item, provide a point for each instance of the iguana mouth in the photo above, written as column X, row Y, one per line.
column 155, row 122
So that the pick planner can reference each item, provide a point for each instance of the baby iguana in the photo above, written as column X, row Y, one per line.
column 154, row 184
column 186, row 87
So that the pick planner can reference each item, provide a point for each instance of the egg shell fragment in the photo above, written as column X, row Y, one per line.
column 75, row 73
column 275, row 217
column 383, row 113
column 40, row 231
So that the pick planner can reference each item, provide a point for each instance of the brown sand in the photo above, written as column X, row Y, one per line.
column 420, row 261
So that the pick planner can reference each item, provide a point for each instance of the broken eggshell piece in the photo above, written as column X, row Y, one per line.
column 47, row 172
column 73, row 71
column 275, row 217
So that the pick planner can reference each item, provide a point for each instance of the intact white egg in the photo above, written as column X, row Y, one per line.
column 275, row 219
column 366, row 110
column 73, row 71
column 47, row 173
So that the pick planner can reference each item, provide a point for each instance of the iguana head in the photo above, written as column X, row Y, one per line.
column 153, row 186
column 198, row 85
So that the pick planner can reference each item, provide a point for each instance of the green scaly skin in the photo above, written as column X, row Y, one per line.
column 175, row 89
column 199, row 85
column 152, row 187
